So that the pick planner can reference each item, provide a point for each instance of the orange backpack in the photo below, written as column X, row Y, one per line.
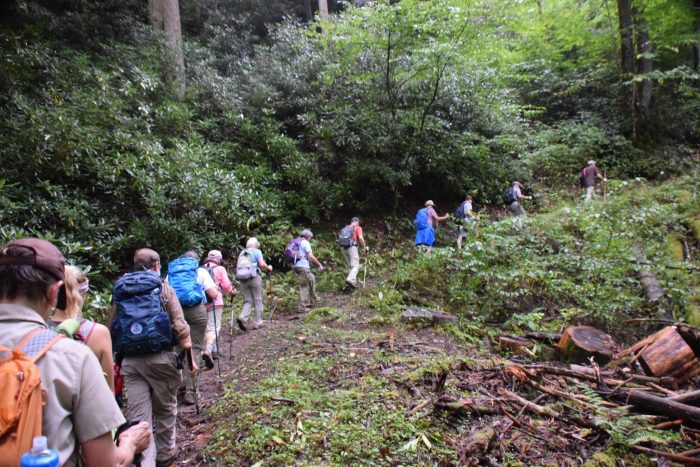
column 21, row 396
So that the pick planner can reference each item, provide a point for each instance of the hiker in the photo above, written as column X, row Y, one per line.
column 193, row 285
column 463, row 215
column 250, row 261
column 143, row 333
column 587, row 179
column 426, row 220
column 68, row 311
column 512, row 198
column 215, row 308
column 302, row 267
column 348, row 238
column 79, row 410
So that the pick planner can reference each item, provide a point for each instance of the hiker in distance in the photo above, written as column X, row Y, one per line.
column 145, row 320
column 302, row 267
column 193, row 286
column 348, row 239
column 426, row 220
column 215, row 308
column 587, row 179
column 250, row 262
column 463, row 215
column 73, row 406
column 512, row 198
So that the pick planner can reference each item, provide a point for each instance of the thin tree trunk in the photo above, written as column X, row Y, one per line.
column 173, row 42
column 308, row 12
column 323, row 9
column 624, row 13
column 645, row 64
column 696, row 48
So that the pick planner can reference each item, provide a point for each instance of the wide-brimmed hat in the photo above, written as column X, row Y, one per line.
column 429, row 203
column 46, row 256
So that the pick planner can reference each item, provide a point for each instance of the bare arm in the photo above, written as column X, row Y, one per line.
column 102, row 451
column 264, row 265
column 314, row 260
column 101, row 345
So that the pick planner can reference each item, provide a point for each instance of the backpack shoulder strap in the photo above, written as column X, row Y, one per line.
column 38, row 342
column 86, row 328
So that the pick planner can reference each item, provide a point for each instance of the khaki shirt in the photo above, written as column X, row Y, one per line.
column 79, row 404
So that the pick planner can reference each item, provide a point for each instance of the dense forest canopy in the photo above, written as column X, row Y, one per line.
column 282, row 116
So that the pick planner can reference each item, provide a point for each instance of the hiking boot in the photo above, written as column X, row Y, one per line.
column 189, row 399
column 241, row 324
column 170, row 462
column 260, row 325
column 208, row 361
column 215, row 355
column 351, row 284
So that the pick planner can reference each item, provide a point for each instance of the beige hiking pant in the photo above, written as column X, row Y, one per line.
column 252, row 291
column 213, row 331
column 307, row 287
column 151, row 383
column 196, row 317
column 352, row 259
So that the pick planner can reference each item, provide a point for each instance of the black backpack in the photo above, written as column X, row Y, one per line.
column 509, row 196
column 345, row 236
column 460, row 212
column 582, row 178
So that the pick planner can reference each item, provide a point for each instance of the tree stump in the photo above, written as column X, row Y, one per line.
column 668, row 354
column 579, row 343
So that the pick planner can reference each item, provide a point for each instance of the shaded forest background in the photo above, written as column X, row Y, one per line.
column 281, row 119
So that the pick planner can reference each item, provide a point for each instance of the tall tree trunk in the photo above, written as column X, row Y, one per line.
column 323, row 9
column 308, row 12
column 624, row 13
column 155, row 14
column 645, row 64
column 173, row 42
column 696, row 47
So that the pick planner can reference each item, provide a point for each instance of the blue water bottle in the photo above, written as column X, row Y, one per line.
column 40, row 455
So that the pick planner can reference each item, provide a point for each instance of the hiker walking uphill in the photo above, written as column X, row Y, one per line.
column 250, row 261
column 463, row 215
column 67, row 318
column 512, row 197
column 587, row 179
column 146, row 318
column 425, row 222
column 348, row 239
column 193, row 285
column 62, row 394
column 302, row 259
column 215, row 308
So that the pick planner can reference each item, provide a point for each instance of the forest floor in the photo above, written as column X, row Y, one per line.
column 331, row 387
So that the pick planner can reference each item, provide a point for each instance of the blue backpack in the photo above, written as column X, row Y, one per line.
column 141, row 325
column 421, row 220
column 182, row 276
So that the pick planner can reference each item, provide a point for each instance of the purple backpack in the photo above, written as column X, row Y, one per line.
column 291, row 252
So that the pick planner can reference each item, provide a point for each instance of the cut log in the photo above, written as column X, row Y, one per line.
column 648, row 403
column 579, row 343
column 668, row 354
column 650, row 285
column 423, row 315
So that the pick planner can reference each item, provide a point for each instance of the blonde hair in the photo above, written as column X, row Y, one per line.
column 74, row 276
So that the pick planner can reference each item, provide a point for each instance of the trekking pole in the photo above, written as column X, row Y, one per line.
column 269, row 293
column 216, row 339
column 364, row 278
column 605, row 182
column 230, row 331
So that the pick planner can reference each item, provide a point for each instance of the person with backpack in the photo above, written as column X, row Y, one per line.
column 512, row 197
column 302, row 268
column 250, row 262
column 67, row 318
column 62, row 393
column 215, row 308
column 426, row 220
column 587, row 179
column 348, row 239
column 463, row 214
column 146, row 322
column 193, row 285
